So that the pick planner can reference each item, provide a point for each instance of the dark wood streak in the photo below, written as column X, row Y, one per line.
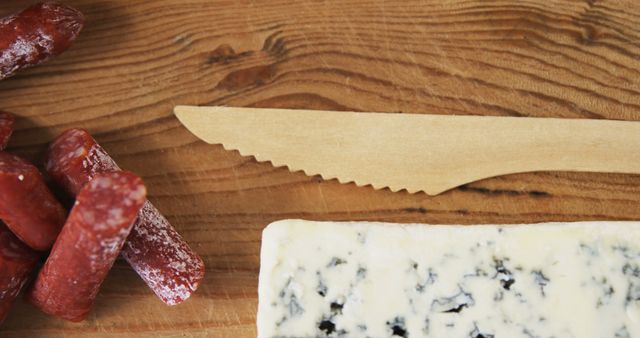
column 485, row 191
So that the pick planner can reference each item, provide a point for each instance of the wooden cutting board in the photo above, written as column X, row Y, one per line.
column 137, row 59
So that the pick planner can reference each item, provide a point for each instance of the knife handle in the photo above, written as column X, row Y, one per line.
column 493, row 146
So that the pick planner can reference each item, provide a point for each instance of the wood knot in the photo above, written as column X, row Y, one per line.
column 248, row 77
column 275, row 46
column 589, row 35
column 224, row 54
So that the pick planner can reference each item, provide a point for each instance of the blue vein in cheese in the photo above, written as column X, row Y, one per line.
column 377, row 280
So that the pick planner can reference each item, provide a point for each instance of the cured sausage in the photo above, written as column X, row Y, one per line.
column 154, row 248
column 88, row 245
column 36, row 34
column 6, row 128
column 16, row 261
column 27, row 206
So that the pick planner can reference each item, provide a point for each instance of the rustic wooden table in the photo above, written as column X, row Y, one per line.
column 135, row 60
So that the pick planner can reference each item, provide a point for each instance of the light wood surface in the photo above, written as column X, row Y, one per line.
column 137, row 59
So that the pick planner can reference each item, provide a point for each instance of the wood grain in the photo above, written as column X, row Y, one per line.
column 137, row 59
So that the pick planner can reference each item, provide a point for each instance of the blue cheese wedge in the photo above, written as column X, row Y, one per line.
column 325, row 279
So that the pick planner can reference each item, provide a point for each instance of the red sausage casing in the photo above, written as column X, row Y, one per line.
column 154, row 249
column 16, row 261
column 6, row 128
column 27, row 206
column 36, row 34
column 88, row 244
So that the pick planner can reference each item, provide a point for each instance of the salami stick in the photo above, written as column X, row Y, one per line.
column 26, row 205
column 88, row 244
column 6, row 128
column 154, row 249
column 16, row 261
column 36, row 34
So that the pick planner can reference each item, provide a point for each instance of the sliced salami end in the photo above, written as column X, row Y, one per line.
column 155, row 250
column 62, row 21
column 74, row 158
column 88, row 245
column 27, row 206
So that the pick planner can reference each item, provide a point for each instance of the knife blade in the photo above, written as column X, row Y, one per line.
column 416, row 152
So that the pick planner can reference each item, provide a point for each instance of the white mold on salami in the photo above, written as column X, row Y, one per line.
column 35, row 35
column 26, row 51
column 88, row 244
column 154, row 248
column 94, row 160
column 116, row 214
column 173, row 271
column 98, row 161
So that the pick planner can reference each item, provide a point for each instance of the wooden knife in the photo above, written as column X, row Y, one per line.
column 416, row 152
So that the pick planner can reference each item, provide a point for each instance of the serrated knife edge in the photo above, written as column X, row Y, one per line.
column 416, row 152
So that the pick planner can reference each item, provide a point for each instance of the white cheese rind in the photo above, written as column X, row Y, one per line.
column 324, row 279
